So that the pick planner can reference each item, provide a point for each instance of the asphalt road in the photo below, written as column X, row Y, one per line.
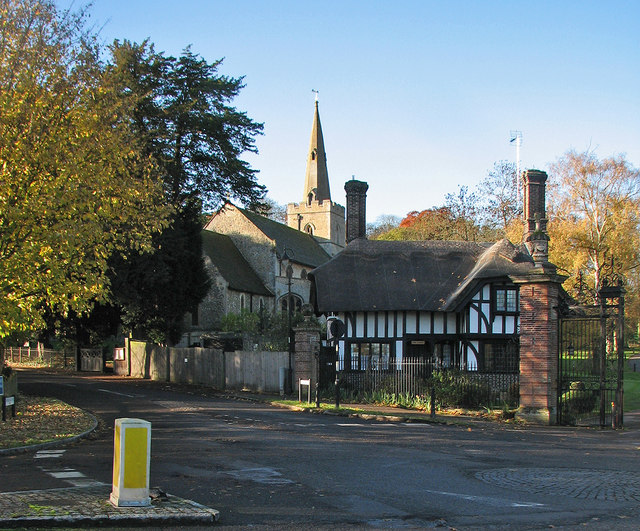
column 269, row 468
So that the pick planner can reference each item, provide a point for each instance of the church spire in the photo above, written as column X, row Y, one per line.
column 316, row 182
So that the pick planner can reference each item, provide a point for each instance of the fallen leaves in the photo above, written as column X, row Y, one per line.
column 39, row 420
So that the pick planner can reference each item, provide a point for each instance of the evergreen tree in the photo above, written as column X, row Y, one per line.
column 155, row 290
column 196, row 138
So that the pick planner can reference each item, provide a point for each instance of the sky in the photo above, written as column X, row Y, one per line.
column 416, row 97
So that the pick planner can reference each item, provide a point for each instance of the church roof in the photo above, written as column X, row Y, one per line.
column 231, row 264
column 306, row 250
column 317, row 177
column 373, row 275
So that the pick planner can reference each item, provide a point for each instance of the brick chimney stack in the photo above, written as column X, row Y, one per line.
column 356, row 209
column 535, row 216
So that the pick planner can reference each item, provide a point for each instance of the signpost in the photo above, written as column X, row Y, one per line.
column 6, row 400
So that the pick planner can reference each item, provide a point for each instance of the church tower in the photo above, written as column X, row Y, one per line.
column 316, row 214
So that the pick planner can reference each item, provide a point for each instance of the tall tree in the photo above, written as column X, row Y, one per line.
column 464, row 213
column 595, row 214
column 75, row 188
column 381, row 225
column 456, row 220
column 155, row 290
column 499, row 190
column 435, row 223
column 194, row 133
column 184, row 117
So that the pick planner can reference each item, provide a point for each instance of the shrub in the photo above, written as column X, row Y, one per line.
column 579, row 399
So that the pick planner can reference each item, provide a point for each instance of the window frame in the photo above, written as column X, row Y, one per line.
column 385, row 360
column 505, row 308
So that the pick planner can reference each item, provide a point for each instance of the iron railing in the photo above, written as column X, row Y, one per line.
column 453, row 388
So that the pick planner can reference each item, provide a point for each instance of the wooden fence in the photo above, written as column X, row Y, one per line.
column 254, row 371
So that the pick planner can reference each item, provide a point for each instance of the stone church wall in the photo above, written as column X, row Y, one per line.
column 256, row 248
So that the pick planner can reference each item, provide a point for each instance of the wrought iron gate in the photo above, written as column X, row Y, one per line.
column 591, row 361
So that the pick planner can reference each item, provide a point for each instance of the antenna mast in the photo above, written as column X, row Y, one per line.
column 516, row 137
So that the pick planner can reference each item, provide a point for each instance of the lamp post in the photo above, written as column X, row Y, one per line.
column 285, row 262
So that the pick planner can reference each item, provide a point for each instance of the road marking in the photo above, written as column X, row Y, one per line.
column 85, row 482
column 259, row 475
column 77, row 479
column 500, row 502
column 49, row 454
column 116, row 393
column 67, row 474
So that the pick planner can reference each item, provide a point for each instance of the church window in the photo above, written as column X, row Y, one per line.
column 303, row 274
column 308, row 228
column 296, row 304
column 313, row 155
column 241, row 302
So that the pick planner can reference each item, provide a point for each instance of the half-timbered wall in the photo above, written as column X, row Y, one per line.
column 459, row 339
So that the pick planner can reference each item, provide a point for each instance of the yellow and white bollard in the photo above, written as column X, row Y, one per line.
column 131, row 458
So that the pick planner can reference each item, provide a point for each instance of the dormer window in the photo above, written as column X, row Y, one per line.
column 313, row 154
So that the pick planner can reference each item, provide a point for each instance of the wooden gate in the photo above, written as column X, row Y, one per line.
column 91, row 360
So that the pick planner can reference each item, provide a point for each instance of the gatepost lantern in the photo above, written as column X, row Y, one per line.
column 131, row 458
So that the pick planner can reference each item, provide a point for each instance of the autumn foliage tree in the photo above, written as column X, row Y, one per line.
column 595, row 215
column 75, row 186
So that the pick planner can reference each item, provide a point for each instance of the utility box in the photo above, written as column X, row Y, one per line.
column 131, row 459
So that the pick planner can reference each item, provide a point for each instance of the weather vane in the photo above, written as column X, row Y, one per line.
column 316, row 93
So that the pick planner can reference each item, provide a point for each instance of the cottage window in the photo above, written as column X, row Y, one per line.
column 501, row 357
column 506, row 300
column 368, row 356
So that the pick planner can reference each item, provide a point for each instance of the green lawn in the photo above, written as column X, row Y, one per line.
column 631, row 391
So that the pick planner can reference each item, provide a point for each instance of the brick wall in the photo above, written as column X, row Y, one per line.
column 534, row 199
column 356, row 209
column 539, row 350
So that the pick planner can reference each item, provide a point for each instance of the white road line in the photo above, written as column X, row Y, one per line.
column 499, row 502
column 49, row 454
column 85, row 482
column 116, row 393
column 67, row 474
